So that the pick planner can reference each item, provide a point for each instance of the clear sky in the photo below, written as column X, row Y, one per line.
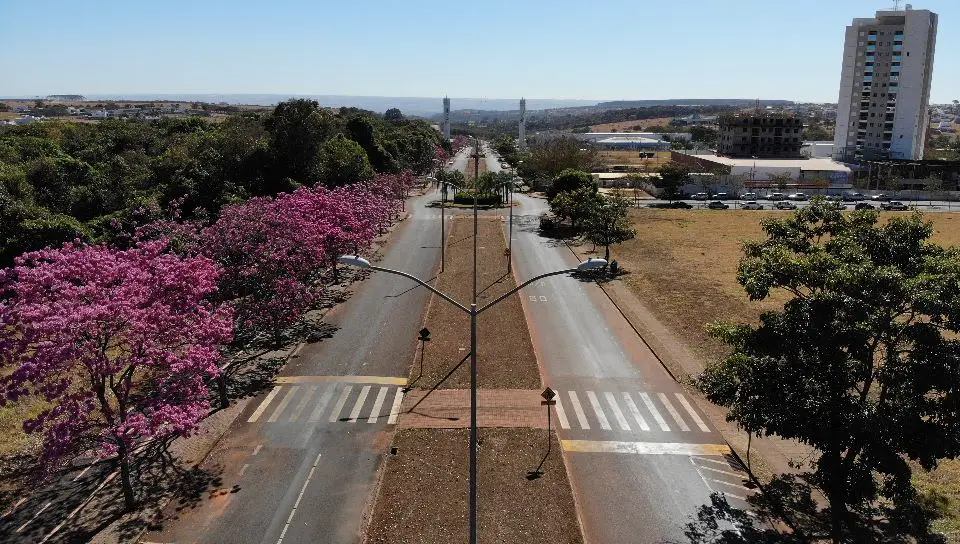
column 583, row 49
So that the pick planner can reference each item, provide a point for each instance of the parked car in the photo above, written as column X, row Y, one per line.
column 864, row 206
column 701, row 196
column 678, row 204
column 798, row 197
column 880, row 197
column 775, row 196
column 834, row 198
column 748, row 196
column 894, row 205
column 717, row 205
column 852, row 197
column 752, row 205
column 785, row 205
column 547, row 222
column 721, row 196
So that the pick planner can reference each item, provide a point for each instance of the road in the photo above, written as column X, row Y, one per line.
column 922, row 205
column 303, row 455
column 641, row 457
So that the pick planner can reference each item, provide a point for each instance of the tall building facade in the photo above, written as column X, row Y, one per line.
column 885, row 86
column 446, row 117
column 760, row 134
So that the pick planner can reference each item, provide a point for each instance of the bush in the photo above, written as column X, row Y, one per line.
column 483, row 199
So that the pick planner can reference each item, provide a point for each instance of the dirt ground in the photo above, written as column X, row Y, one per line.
column 505, row 357
column 424, row 491
column 471, row 164
column 629, row 126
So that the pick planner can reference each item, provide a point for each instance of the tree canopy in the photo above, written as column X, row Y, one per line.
column 571, row 180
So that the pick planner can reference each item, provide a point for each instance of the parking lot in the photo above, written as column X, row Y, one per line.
column 784, row 202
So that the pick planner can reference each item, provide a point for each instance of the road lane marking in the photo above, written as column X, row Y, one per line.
column 35, row 516
column 375, row 380
column 727, row 472
column 643, row 448
column 257, row 449
column 561, row 415
column 283, row 404
column 299, row 497
column 340, row 402
column 693, row 414
column 263, row 405
column 377, row 404
column 395, row 409
column 581, row 417
column 543, row 298
column 731, row 484
column 653, row 410
column 243, row 469
column 597, row 409
column 632, row 406
column 359, row 405
column 303, row 403
column 673, row 412
column 322, row 405
column 82, row 472
column 533, row 298
column 79, row 507
column 622, row 421
column 14, row 507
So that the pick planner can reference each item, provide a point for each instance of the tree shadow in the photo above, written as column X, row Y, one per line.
column 250, row 380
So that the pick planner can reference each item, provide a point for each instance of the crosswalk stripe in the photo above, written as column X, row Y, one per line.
column 340, row 402
column 283, row 403
column 581, row 417
column 561, row 415
column 303, row 403
column 653, row 410
column 632, row 406
column 395, row 409
column 601, row 417
column 622, row 421
column 693, row 414
column 375, row 412
column 322, row 405
column 673, row 412
column 359, row 404
column 263, row 405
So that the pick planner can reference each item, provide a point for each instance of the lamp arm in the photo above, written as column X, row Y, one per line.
column 526, row 283
column 423, row 283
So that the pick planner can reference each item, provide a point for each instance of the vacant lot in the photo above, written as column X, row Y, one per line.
column 424, row 491
column 630, row 126
column 633, row 158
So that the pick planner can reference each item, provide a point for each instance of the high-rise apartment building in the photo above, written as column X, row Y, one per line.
column 885, row 86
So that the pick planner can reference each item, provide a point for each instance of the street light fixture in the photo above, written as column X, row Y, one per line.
column 473, row 311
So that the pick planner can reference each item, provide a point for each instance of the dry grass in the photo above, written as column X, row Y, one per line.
column 423, row 494
column 628, row 126
column 505, row 354
column 633, row 158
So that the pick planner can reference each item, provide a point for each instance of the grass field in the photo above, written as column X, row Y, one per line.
column 633, row 158
column 683, row 265
column 629, row 126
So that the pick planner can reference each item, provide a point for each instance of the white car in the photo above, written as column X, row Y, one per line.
column 798, row 197
column 752, row 205
column 701, row 196
column 785, row 205
column 748, row 196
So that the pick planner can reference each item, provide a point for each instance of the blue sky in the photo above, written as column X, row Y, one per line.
column 597, row 49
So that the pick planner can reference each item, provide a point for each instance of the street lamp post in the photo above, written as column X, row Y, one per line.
column 443, row 219
column 473, row 311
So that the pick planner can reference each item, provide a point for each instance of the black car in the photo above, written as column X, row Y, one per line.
column 678, row 205
column 717, row 205
column 864, row 206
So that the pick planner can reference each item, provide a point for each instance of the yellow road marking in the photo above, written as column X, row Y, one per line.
column 643, row 448
column 382, row 380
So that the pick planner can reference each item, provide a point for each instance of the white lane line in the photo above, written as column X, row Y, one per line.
column 322, row 405
column 597, row 409
column 735, row 496
column 82, row 472
column 377, row 404
column 263, row 405
column 14, row 507
column 673, row 412
column 257, row 449
column 727, row 472
column 561, row 415
column 359, row 405
column 581, row 417
column 283, row 403
column 395, row 409
column 653, row 410
column 340, row 402
column 35, row 516
column 299, row 497
column 715, row 461
column 731, row 484
column 303, row 403
column 693, row 414
column 622, row 421
column 632, row 406
column 644, row 448
column 243, row 469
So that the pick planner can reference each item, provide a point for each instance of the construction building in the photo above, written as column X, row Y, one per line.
column 760, row 134
column 885, row 86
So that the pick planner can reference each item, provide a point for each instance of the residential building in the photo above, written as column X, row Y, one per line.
column 760, row 134
column 885, row 86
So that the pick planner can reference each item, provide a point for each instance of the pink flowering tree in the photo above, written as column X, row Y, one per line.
column 120, row 344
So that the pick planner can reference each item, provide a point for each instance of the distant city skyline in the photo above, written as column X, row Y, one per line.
column 599, row 51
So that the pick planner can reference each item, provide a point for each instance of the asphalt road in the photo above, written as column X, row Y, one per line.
column 299, row 463
column 640, row 455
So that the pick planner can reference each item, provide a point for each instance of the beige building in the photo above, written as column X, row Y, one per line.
column 885, row 86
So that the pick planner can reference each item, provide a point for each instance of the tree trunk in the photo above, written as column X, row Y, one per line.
column 606, row 254
column 222, row 390
column 129, row 501
column 837, row 496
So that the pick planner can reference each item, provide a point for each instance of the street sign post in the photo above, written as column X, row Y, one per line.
column 548, row 396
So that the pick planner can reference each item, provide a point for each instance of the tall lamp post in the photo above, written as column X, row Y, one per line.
column 473, row 311
column 443, row 219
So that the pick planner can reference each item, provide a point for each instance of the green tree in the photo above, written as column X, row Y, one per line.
column 862, row 363
column 297, row 130
column 392, row 115
column 570, row 180
column 343, row 161
column 608, row 223
column 577, row 205
column 546, row 159
column 673, row 176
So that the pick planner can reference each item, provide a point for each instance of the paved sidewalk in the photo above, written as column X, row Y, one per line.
column 450, row 409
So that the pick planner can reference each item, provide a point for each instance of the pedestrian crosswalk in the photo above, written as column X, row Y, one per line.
column 331, row 402
column 621, row 411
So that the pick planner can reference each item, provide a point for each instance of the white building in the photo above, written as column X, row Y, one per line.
column 885, row 86
column 816, row 150
column 673, row 136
